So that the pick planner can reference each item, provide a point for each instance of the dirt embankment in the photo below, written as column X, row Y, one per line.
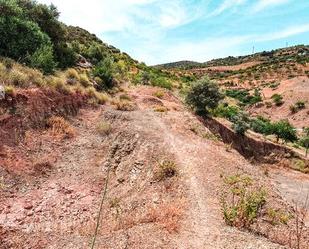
column 28, row 109
column 249, row 147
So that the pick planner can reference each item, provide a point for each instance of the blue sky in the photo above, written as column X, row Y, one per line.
column 159, row 31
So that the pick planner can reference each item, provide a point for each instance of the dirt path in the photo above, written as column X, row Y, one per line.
column 202, row 164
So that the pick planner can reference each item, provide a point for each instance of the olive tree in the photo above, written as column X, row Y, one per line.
column 203, row 96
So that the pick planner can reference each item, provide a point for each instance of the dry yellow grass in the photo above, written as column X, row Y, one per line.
column 60, row 127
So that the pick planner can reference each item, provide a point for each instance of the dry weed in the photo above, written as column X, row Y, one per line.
column 60, row 127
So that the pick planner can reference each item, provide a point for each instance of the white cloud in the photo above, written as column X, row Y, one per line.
column 118, row 15
column 212, row 48
column 289, row 31
column 97, row 15
column 263, row 4
column 226, row 4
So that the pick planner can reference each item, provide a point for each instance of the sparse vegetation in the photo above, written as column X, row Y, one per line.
column 244, row 96
column 159, row 94
column 299, row 105
column 278, row 99
column 124, row 105
column 242, row 201
column 60, row 127
column 160, row 109
column 104, row 128
column 167, row 169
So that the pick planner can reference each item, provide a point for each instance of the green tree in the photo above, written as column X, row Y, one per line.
column 20, row 38
column 284, row 130
column 204, row 95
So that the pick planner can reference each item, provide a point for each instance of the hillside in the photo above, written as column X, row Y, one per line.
column 297, row 54
column 98, row 150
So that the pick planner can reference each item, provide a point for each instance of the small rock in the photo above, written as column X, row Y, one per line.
column 28, row 206
column 30, row 213
column 38, row 209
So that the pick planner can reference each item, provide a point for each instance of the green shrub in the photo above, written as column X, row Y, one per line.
column 293, row 109
column 278, row 99
column 161, row 82
column 300, row 105
column 261, row 125
column 224, row 111
column 304, row 141
column 20, row 38
column 284, row 130
column 203, row 96
column 240, row 123
column 244, row 96
column 43, row 59
column 104, row 71
column 242, row 201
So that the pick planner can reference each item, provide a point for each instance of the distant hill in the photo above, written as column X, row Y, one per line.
column 180, row 65
column 298, row 54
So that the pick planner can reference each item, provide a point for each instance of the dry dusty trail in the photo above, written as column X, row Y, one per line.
column 58, row 208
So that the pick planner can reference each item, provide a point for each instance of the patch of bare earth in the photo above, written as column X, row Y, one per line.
column 292, row 91
column 54, row 201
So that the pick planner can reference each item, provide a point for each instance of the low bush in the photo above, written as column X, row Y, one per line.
column 278, row 99
column 160, row 109
column 159, row 94
column 60, row 127
column 84, row 80
column 304, row 141
column 104, row 128
column 240, row 123
column 242, row 201
column 97, row 97
column 161, row 82
column 9, row 90
column 225, row 111
column 43, row 59
column 124, row 105
column 244, row 96
column 261, row 125
column 104, row 71
column 71, row 73
column 167, row 169
column 125, row 97
column 299, row 105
